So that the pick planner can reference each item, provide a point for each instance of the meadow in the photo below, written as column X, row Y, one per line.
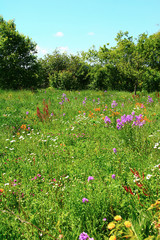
column 79, row 165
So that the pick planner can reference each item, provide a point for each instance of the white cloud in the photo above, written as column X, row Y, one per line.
column 63, row 49
column 41, row 51
column 91, row 33
column 59, row 34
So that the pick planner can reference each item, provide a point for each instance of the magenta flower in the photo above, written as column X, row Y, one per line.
column 104, row 219
column 27, row 113
column 85, row 200
column 90, row 178
column 114, row 150
column 113, row 176
column 83, row 236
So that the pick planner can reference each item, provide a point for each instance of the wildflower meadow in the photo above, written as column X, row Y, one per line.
column 79, row 165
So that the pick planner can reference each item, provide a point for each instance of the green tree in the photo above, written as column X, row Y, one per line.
column 18, row 64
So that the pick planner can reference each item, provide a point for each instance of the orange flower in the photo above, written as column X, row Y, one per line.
column 97, row 109
column 118, row 218
column 1, row 190
column 111, row 225
column 113, row 237
column 23, row 126
column 127, row 224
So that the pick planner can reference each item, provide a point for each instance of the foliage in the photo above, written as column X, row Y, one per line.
column 65, row 71
column 18, row 65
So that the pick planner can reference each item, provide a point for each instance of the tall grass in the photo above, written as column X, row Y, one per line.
column 52, row 141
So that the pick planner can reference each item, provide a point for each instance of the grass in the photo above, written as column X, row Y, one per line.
column 51, row 142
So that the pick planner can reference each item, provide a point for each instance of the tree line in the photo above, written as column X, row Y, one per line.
column 132, row 65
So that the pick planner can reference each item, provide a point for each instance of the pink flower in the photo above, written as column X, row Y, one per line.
column 85, row 200
column 90, row 178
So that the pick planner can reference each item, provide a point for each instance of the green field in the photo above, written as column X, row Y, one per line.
column 69, row 166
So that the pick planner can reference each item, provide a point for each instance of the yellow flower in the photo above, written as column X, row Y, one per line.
column 127, row 224
column 111, row 225
column 1, row 190
column 113, row 237
column 118, row 218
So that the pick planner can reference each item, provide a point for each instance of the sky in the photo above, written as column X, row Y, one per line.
column 73, row 26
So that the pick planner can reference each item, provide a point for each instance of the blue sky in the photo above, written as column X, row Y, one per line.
column 73, row 26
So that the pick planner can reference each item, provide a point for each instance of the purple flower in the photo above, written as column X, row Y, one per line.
column 64, row 114
column 90, row 178
column 51, row 114
column 114, row 150
column 27, row 113
column 104, row 219
column 85, row 200
column 84, row 102
column 114, row 104
column 83, row 236
column 107, row 120
column 15, row 180
column 113, row 176
column 150, row 99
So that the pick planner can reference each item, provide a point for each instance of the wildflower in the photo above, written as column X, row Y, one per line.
column 83, row 236
column 111, row 225
column 85, row 200
column 114, row 104
column 15, row 180
column 148, row 176
column 118, row 218
column 90, row 178
column 104, row 219
column 113, row 176
column 127, row 224
column 27, row 113
column 1, row 190
column 107, row 120
column 113, row 237
column 114, row 150
column 150, row 99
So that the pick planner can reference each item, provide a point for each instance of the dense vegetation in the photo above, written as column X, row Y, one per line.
column 82, row 164
column 133, row 64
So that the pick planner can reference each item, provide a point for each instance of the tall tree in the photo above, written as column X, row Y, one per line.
column 18, row 63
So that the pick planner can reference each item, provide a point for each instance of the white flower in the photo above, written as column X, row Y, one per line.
column 148, row 176
column 12, row 141
column 6, row 184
